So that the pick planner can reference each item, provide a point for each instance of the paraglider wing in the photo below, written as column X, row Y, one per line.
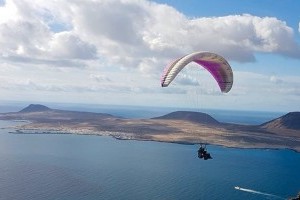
column 214, row 63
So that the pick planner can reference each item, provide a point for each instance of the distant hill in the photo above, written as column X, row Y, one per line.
column 197, row 117
column 35, row 108
column 38, row 112
column 283, row 132
column 288, row 121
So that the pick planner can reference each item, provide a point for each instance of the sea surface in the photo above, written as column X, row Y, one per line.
column 73, row 167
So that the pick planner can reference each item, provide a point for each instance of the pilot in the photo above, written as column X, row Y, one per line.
column 202, row 153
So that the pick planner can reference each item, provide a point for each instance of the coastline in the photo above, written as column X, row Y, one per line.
column 182, row 127
column 216, row 150
column 130, row 136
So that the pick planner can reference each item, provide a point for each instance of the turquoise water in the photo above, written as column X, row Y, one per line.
column 91, row 167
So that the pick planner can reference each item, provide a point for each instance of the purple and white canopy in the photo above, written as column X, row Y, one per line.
column 215, row 64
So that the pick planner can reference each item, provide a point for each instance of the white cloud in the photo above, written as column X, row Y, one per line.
column 101, row 42
column 22, row 38
column 100, row 78
column 134, row 31
column 275, row 80
column 185, row 79
column 66, row 45
column 255, row 85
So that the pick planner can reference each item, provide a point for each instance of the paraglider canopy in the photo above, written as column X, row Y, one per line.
column 217, row 66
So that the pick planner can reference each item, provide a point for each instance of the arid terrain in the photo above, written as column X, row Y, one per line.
column 179, row 127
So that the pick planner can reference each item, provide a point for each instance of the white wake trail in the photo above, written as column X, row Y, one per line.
column 257, row 192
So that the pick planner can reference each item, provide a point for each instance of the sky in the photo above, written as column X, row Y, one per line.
column 114, row 52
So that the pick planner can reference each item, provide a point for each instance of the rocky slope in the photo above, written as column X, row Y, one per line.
column 288, row 121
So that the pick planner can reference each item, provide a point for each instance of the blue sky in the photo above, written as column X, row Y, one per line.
column 286, row 11
column 86, row 52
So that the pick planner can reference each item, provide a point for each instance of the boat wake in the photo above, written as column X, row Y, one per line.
column 257, row 192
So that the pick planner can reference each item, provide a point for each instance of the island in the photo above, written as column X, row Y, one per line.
column 177, row 127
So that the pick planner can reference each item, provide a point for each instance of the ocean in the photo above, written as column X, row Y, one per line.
column 73, row 167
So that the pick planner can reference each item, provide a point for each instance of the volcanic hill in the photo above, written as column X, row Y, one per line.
column 197, row 117
column 288, row 121
column 179, row 127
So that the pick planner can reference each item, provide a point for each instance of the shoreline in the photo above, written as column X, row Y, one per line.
column 118, row 137
column 181, row 127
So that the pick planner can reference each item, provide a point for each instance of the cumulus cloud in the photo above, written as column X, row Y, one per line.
column 22, row 38
column 66, row 45
column 134, row 31
column 94, row 43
